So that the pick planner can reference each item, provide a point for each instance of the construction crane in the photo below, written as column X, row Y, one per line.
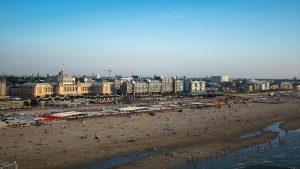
column 109, row 72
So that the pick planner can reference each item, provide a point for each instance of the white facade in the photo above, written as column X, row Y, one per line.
column 126, row 79
column 224, row 78
column 203, row 85
column 263, row 86
column 197, row 86
column 267, row 86
column 297, row 87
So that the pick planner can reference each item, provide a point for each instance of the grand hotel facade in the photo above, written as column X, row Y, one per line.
column 66, row 86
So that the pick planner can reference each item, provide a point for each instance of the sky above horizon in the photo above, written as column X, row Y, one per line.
column 240, row 38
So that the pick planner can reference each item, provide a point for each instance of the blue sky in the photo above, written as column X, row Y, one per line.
column 241, row 38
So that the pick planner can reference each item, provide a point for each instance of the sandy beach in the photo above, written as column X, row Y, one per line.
column 189, row 135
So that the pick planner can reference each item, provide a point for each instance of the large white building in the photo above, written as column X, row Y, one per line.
column 260, row 85
column 197, row 86
column 264, row 86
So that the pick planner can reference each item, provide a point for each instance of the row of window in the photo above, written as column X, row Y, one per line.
column 70, row 89
column 86, row 89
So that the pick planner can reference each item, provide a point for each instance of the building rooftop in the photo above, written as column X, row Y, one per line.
column 67, row 114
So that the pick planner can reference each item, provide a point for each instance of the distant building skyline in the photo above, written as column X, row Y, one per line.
column 256, row 39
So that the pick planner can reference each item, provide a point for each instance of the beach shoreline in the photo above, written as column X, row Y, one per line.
column 189, row 135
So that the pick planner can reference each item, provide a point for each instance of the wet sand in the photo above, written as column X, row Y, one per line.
column 291, row 124
column 188, row 135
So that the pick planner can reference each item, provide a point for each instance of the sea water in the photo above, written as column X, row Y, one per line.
column 280, row 153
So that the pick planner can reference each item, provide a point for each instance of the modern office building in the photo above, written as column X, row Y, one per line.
column 186, row 85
